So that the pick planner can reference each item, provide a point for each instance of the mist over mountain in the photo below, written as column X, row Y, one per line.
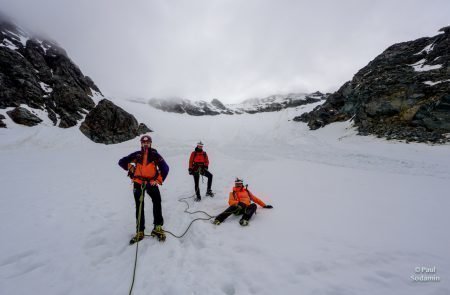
column 271, row 103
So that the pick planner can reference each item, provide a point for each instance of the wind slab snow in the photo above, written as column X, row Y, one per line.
column 352, row 215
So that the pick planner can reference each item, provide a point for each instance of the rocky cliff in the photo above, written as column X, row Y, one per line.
column 38, row 73
column 404, row 93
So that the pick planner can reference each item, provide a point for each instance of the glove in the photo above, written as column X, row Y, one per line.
column 190, row 171
column 268, row 207
column 131, row 169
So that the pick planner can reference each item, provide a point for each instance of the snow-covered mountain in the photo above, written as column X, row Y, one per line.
column 39, row 74
column 404, row 93
column 40, row 83
column 352, row 214
column 251, row 106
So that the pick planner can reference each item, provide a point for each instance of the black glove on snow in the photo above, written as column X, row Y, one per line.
column 268, row 207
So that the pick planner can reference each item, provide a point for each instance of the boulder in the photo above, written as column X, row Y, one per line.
column 109, row 124
column 24, row 117
column 218, row 104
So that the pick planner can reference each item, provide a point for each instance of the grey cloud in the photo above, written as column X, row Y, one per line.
column 226, row 49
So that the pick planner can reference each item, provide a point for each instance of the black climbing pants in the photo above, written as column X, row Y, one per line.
column 153, row 192
column 197, row 174
column 246, row 211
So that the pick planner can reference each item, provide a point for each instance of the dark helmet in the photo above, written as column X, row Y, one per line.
column 238, row 182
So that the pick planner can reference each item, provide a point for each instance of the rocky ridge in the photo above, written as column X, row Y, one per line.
column 109, row 124
column 251, row 106
column 404, row 93
column 38, row 73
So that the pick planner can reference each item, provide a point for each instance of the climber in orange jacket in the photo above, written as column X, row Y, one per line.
column 198, row 165
column 147, row 169
column 241, row 203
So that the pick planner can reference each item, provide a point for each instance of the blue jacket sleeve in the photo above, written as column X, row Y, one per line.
column 162, row 165
column 128, row 159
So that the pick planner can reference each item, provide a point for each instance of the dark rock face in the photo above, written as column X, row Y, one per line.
column 24, row 117
column 2, row 124
column 181, row 106
column 218, row 104
column 108, row 124
column 39, row 73
column 404, row 93
column 252, row 106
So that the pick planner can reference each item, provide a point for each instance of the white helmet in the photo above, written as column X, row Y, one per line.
column 238, row 181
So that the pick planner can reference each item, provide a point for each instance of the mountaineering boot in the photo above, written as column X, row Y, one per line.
column 139, row 236
column 198, row 199
column 243, row 222
column 158, row 233
column 210, row 193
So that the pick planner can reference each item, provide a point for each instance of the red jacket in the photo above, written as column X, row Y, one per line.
column 198, row 158
column 241, row 194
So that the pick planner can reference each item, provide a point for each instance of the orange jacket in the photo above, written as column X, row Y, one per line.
column 198, row 158
column 146, row 170
column 241, row 194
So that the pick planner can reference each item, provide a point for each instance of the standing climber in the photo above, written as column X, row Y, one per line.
column 198, row 165
column 147, row 169
column 241, row 203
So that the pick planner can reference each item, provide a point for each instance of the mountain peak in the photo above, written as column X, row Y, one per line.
column 38, row 73
column 446, row 29
column 402, row 94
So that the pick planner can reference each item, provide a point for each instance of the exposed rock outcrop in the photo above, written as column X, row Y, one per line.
column 108, row 124
column 404, row 93
column 24, row 117
column 38, row 73
column 2, row 124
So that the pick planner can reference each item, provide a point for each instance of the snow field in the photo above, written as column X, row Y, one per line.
column 352, row 215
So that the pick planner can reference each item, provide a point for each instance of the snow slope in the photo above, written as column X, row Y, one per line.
column 352, row 215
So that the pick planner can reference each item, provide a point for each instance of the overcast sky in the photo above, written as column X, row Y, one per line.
column 231, row 50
